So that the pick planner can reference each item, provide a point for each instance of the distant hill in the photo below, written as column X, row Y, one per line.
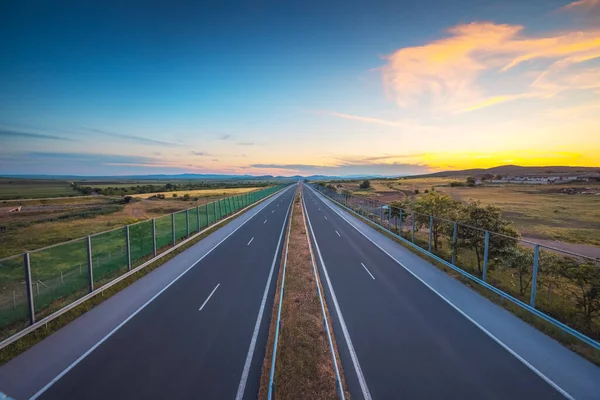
column 515, row 170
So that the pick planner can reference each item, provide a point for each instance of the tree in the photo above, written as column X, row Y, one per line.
column 365, row 184
column 471, row 181
column 186, row 197
column 394, row 208
column 438, row 205
column 485, row 218
column 174, row 195
column 520, row 260
column 169, row 186
column 586, row 280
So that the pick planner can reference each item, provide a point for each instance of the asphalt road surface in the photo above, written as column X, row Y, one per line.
column 204, row 337
column 397, row 339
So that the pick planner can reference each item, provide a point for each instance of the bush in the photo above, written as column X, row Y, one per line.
column 417, row 191
column 186, row 197
column 365, row 184
column 174, row 194
column 457, row 184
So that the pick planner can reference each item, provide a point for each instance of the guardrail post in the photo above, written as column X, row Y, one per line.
column 536, row 262
column 454, row 237
column 430, row 231
column 173, row 227
column 154, row 237
column 90, row 263
column 414, row 222
column 128, row 247
column 485, row 255
column 27, row 265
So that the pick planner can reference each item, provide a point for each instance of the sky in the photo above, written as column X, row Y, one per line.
column 284, row 88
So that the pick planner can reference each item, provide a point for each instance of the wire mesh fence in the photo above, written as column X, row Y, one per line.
column 562, row 285
column 63, row 273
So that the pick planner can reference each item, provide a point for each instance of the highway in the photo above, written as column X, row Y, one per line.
column 396, row 338
column 202, row 337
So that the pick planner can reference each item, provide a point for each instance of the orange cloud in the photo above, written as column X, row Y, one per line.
column 446, row 74
column 367, row 119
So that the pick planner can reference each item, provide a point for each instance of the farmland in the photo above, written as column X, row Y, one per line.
column 14, row 188
column 538, row 211
column 198, row 193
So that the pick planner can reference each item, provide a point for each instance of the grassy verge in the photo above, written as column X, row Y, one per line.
column 549, row 329
column 304, row 366
column 28, row 341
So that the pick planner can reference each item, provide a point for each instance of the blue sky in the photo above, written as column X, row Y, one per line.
column 295, row 87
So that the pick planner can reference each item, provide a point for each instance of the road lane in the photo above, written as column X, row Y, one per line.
column 410, row 343
column 170, row 350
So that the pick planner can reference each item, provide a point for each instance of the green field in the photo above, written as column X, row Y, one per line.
column 15, row 188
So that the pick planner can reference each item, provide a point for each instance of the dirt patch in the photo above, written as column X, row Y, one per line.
column 583, row 249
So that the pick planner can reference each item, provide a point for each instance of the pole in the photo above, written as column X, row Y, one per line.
column 430, row 231
column 399, row 223
column 27, row 264
column 485, row 255
column 154, row 237
column 187, row 222
column 128, row 245
column 173, row 227
column 207, row 218
column 414, row 222
column 454, row 237
column 220, row 210
column 90, row 263
column 536, row 262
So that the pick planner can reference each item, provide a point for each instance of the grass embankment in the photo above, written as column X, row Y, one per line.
column 78, row 289
column 304, row 366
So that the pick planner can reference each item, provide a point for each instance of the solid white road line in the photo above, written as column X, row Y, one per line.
column 94, row 347
column 369, row 272
column 484, row 330
column 250, row 241
column 357, row 369
column 338, row 233
column 246, row 371
column 209, row 296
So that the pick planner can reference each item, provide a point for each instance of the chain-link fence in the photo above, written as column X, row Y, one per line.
column 562, row 285
column 59, row 275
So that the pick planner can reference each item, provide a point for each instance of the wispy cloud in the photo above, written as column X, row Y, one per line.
column 368, row 120
column 581, row 5
column 359, row 160
column 344, row 169
column 200, row 153
column 19, row 134
column 133, row 138
column 445, row 74
column 95, row 158
column 225, row 136
column 246, row 143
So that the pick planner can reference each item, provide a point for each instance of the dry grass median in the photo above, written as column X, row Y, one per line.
column 304, row 366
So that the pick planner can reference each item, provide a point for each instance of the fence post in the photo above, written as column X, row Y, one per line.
column 27, row 264
column 173, row 227
column 154, row 237
column 485, row 255
column 207, row 218
column 198, row 216
column 430, row 231
column 187, row 222
column 128, row 247
column 215, row 210
column 220, row 210
column 399, row 223
column 536, row 262
column 413, row 226
column 454, row 237
column 90, row 263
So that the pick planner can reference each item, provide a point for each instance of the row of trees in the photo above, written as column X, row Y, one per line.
column 578, row 279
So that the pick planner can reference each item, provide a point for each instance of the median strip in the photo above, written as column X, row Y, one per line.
column 304, row 365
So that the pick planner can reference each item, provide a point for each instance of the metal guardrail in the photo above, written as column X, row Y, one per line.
column 481, row 281
column 55, row 287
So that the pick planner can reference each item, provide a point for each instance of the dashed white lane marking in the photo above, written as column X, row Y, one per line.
column 209, row 296
column 250, row 241
column 338, row 233
column 369, row 272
